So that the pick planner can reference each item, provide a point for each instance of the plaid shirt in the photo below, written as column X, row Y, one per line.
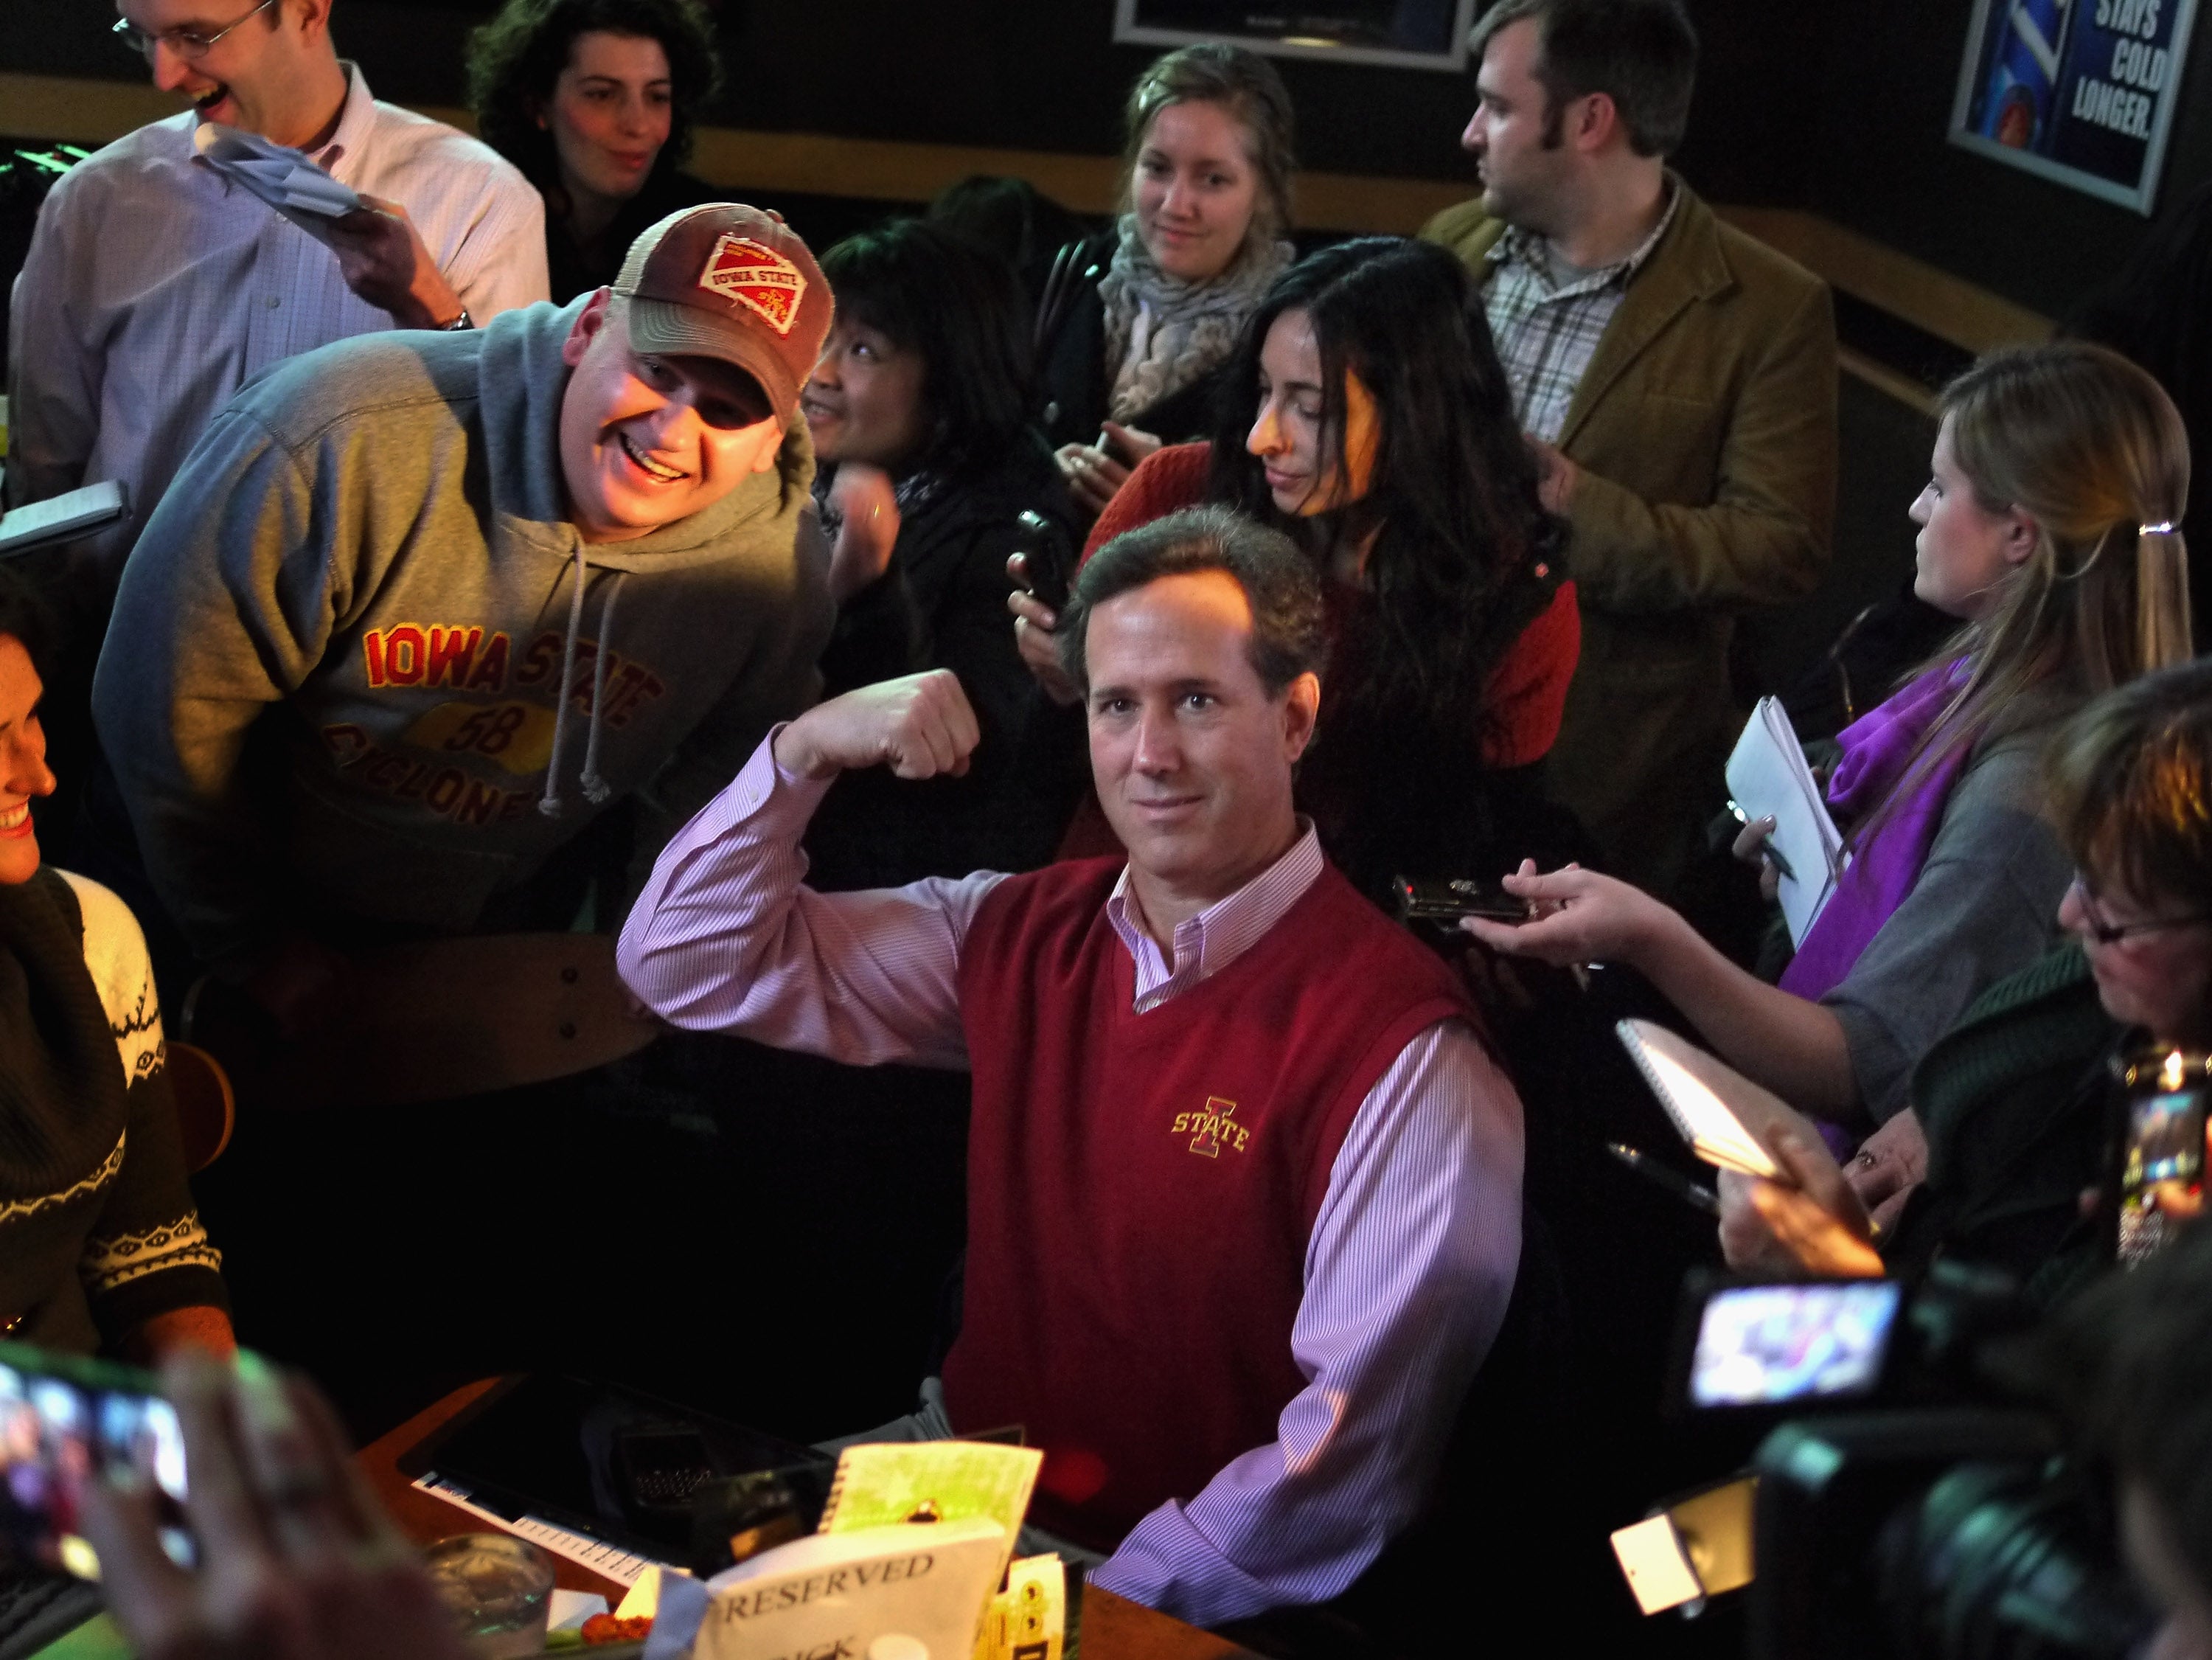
column 1546, row 333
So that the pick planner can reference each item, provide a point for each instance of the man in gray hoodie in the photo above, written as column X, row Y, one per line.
column 421, row 607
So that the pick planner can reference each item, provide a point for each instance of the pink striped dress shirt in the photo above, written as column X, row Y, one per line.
column 1411, row 1260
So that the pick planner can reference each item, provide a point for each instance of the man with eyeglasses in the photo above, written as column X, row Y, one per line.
column 153, row 289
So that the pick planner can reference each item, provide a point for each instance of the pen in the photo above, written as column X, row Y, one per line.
column 1681, row 1186
column 1766, row 844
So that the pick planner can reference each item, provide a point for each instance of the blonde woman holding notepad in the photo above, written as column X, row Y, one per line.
column 2048, row 529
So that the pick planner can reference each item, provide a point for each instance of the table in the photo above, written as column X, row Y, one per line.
column 1114, row 1628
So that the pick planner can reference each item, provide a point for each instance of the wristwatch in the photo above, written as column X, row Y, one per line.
column 463, row 321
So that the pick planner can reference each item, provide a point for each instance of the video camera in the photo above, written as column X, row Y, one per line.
column 1912, row 1498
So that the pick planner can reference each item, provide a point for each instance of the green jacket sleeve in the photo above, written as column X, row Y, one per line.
column 225, row 607
column 1763, row 537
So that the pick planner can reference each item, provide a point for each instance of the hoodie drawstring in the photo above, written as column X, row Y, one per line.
column 596, row 788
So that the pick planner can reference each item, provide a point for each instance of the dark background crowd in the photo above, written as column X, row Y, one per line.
column 557, row 526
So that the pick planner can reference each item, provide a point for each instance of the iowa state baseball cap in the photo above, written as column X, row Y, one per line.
column 730, row 282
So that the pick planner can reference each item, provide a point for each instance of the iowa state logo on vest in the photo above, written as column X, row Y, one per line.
column 1212, row 1129
column 757, row 278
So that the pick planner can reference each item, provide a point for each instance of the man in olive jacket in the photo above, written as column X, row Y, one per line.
column 1679, row 381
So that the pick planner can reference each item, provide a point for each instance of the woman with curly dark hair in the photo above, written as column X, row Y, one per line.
column 595, row 101
column 1365, row 413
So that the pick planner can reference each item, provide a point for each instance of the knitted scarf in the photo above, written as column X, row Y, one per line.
column 1163, row 333
column 61, row 1090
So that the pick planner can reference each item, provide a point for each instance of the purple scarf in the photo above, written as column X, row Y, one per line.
column 1884, row 866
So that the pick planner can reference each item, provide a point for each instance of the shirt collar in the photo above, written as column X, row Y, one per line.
column 1529, row 248
column 1209, row 942
column 351, row 140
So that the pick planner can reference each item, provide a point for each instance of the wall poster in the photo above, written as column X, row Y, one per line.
column 1426, row 35
column 2082, row 92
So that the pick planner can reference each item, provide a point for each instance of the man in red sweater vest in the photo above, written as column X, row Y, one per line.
column 1243, row 1181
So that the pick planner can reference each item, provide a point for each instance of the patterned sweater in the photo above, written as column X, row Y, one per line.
column 98, row 1232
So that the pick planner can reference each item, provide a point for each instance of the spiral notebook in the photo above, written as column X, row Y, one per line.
column 1696, row 1090
column 1768, row 777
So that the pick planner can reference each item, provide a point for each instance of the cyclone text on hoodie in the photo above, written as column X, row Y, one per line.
column 375, row 538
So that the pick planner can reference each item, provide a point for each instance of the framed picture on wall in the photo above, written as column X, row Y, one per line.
column 1422, row 35
column 2082, row 92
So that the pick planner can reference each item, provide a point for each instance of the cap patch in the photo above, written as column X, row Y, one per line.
column 757, row 278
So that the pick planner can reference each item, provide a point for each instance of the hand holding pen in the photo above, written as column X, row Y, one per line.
column 1755, row 845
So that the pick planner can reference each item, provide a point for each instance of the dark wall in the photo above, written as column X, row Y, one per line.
column 1839, row 109
column 1012, row 73
column 1877, row 158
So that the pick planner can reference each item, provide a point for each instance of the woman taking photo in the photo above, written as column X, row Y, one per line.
column 2047, row 528
column 100, row 1246
column 595, row 101
column 1368, row 417
column 1135, row 324
column 928, row 461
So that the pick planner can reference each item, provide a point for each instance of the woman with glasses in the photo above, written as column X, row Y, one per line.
column 2048, row 530
column 2016, row 1098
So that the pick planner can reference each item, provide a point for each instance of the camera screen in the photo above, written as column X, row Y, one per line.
column 55, row 1434
column 1760, row 1345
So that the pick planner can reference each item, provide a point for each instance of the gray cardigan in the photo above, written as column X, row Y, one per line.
column 1986, row 906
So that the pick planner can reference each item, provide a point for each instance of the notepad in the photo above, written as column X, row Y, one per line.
column 918, row 1589
column 1768, row 777
column 284, row 178
column 880, row 1483
column 1697, row 1092
column 59, row 518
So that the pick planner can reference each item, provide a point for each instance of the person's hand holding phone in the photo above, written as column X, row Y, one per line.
column 1575, row 916
column 297, row 1560
column 1034, row 637
column 1095, row 472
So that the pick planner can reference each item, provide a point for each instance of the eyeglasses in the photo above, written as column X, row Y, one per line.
column 2105, row 933
column 188, row 44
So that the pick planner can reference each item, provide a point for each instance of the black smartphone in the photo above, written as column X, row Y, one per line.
column 1043, row 553
column 65, row 1423
column 1447, row 901
column 2157, row 1183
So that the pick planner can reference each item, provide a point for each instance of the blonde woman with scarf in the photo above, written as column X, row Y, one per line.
column 2050, row 528
column 1135, row 324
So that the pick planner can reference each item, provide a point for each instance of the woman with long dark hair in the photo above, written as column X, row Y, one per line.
column 919, row 412
column 1367, row 414
column 595, row 101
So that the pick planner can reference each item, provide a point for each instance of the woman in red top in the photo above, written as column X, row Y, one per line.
column 1366, row 414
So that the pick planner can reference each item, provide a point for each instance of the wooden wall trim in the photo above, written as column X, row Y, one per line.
column 90, row 112
column 1949, row 308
